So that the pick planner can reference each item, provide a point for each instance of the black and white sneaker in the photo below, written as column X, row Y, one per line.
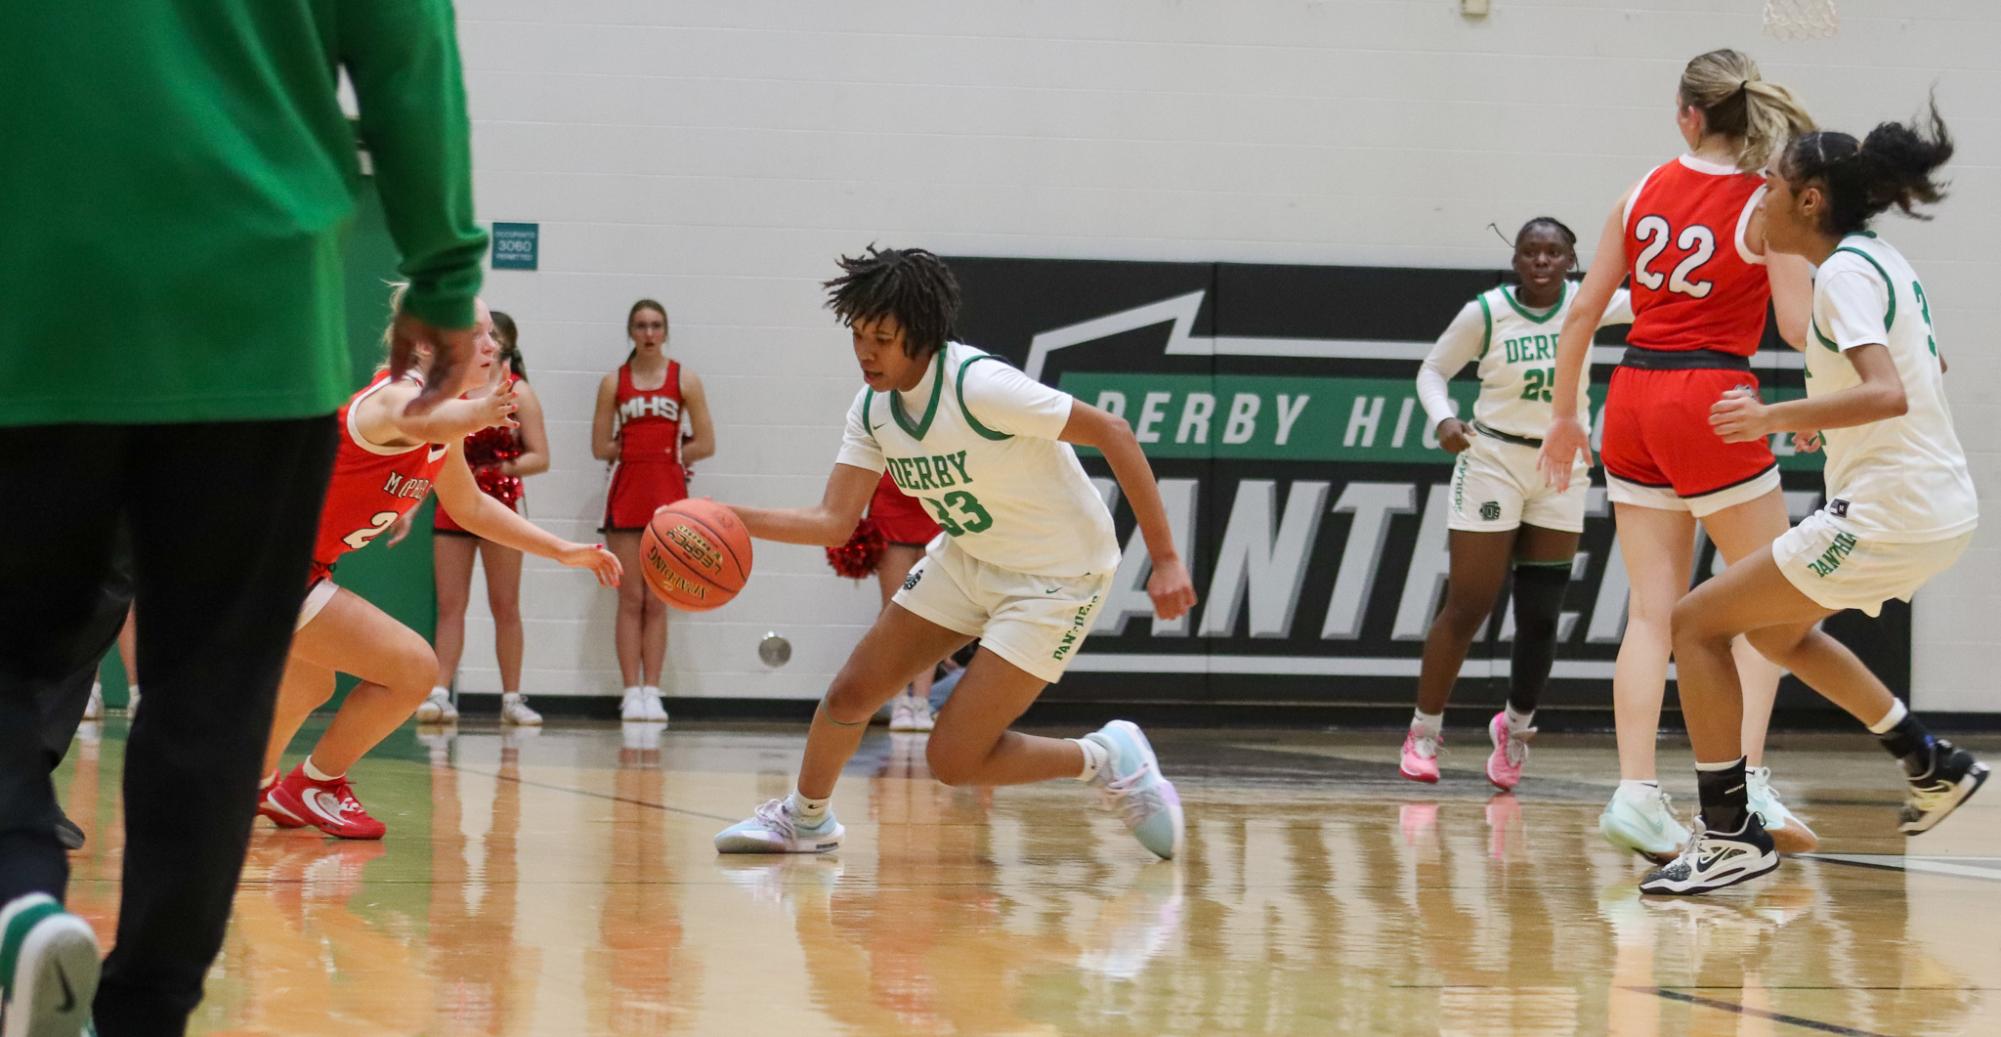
column 1713, row 860
column 1951, row 775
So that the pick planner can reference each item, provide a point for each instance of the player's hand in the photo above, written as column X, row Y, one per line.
column 1740, row 416
column 1172, row 591
column 1455, row 436
column 595, row 558
column 1808, row 442
column 497, row 408
column 400, row 528
column 451, row 351
column 1565, row 441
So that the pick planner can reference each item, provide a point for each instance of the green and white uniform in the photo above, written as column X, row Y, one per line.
column 1900, row 502
column 1495, row 485
column 1027, row 549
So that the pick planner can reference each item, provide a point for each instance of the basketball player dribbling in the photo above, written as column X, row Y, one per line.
column 1027, row 558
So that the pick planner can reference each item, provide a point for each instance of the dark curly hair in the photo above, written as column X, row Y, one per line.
column 911, row 284
column 1891, row 166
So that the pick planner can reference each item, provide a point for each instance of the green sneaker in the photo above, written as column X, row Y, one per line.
column 1646, row 826
column 48, row 969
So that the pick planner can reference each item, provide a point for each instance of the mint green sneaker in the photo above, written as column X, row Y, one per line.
column 773, row 828
column 48, row 969
column 1647, row 827
column 1131, row 783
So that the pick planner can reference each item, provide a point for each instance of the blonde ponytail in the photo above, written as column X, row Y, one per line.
column 1737, row 103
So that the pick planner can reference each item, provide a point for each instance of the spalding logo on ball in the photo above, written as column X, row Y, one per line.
column 695, row 555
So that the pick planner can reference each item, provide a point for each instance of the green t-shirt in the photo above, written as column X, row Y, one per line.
column 178, row 181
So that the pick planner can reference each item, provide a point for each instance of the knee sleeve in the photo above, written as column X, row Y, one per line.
column 1538, row 608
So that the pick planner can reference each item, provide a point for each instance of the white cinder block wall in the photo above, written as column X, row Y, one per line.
column 718, row 155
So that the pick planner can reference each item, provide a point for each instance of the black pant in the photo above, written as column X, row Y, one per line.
column 63, row 702
column 222, row 517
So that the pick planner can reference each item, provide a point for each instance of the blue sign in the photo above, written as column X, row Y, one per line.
column 515, row 245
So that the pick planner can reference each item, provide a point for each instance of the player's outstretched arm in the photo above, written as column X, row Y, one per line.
column 1172, row 591
column 1567, row 437
column 488, row 519
column 826, row 524
column 383, row 420
column 1741, row 417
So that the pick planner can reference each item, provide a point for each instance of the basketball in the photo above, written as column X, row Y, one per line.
column 695, row 555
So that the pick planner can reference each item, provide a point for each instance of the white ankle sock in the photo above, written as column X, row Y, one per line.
column 1898, row 711
column 651, row 690
column 441, row 690
column 1518, row 723
column 1429, row 724
column 269, row 780
column 808, row 810
column 1095, row 757
column 1639, row 791
column 631, row 690
column 318, row 775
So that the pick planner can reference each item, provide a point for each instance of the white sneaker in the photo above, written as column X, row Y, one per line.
column 94, row 709
column 909, row 714
column 1130, row 782
column 52, row 964
column 1644, row 825
column 514, row 710
column 633, row 706
column 437, row 708
column 1788, row 832
column 773, row 828
column 131, row 702
column 649, row 699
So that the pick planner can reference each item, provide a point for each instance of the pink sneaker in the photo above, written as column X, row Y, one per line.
column 1420, row 757
column 1504, row 766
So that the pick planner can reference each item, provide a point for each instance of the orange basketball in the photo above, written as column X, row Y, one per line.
column 695, row 555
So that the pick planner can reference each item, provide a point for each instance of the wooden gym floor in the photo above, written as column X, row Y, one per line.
column 564, row 883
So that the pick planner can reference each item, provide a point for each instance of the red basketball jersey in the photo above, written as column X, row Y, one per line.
column 372, row 487
column 1695, row 283
column 649, row 421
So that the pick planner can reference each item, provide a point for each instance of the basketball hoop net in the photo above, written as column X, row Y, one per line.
column 1801, row 19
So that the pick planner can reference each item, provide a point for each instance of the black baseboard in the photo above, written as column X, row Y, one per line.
column 1202, row 714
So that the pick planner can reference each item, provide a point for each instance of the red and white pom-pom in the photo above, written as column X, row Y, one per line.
column 858, row 557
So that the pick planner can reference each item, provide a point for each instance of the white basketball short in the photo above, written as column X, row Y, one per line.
column 317, row 596
column 1495, row 488
column 1038, row 623
column 1841, row 569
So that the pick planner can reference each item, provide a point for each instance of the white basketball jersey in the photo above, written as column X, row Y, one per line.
column 1902, row 479
column 1517, row 359
column 976, row 443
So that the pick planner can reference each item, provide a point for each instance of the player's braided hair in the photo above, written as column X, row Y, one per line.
column 1891, row 166
column 1562, row 231
column 910, row 284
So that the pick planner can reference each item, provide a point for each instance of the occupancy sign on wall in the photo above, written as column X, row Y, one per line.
column 516, row 245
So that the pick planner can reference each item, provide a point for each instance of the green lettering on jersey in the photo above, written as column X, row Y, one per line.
column 958, row 461
column 923, row 465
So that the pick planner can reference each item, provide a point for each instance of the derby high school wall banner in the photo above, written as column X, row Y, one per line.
column 1278, row 406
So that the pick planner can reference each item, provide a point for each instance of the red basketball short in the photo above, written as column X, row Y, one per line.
column 1660, row 451
column 901, row 519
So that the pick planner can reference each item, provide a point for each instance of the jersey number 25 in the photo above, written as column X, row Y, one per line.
column 1698, row 241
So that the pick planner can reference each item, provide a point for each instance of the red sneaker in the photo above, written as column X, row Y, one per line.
column 329, row 806
column 279, row 815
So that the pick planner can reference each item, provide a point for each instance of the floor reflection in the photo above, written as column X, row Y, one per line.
column 564, row 883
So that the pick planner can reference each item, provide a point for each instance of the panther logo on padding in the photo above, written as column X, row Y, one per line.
column 1490, row 511
column 910, row 581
